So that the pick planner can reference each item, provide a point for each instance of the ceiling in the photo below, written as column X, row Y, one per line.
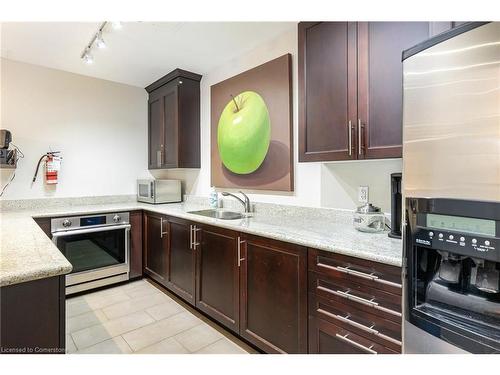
column 138, row 53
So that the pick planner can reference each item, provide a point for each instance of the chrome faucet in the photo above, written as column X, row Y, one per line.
column 245, row 203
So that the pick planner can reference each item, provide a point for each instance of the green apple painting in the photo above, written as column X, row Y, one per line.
column 251, row 132
column 244, row 133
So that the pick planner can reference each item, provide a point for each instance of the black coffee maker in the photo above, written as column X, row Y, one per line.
column 395, row 206
column 453, row 275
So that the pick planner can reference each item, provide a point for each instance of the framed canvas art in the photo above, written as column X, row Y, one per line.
column 251, row 128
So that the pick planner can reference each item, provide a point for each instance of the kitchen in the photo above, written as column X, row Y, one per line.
column 301, row 191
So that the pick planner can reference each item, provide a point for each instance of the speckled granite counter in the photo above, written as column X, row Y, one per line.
column 28, row 254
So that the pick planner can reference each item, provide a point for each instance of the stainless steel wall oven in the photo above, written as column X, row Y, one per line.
column 97, row 246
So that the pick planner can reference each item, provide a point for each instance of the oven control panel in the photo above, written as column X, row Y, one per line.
column 459, row 243
column 88, row 221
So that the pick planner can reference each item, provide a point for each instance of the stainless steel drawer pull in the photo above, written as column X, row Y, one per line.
column 355, row 344
column 349, row 296
column 369, row 276
column 356, row 324
column 371, row 330
column 350, row 271
column 364, row 301
column 240, row 259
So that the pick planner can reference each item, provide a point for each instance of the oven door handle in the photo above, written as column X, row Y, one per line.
column 56, row 235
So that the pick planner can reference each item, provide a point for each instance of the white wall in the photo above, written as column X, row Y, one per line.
column 316, row 184
column 99, row 126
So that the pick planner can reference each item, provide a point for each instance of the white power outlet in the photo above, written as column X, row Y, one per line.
column 363, row 194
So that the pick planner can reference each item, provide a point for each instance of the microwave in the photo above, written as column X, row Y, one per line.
column 159, row 191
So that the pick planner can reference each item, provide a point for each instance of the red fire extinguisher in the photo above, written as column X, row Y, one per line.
column 52, row 166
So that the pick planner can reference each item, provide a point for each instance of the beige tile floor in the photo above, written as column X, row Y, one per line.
column 140, row 318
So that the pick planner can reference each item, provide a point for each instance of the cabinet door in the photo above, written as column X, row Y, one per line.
column 155, row 131
column 327, row 90
column 273, row 295
column 380, row 86
column 181, row 259
column 171, row 130
column 135, row 244
column 217, row 275
column 155, row 247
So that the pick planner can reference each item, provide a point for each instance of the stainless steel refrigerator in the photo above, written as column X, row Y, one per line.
column 451, row 192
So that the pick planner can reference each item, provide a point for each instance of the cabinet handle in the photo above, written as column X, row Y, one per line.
column 364, row 301
column 370, row 276
column 158, row 158
column 162, row 233
column 349, row 296
column 360, row 147
column 191, row 237
column 350, row 137
column 355, row 344
column 362, row 327
column 194, row 241
column 240, row 259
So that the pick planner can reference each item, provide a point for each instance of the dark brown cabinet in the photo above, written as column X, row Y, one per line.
column 174, row 121
column 32, row 317
column 181, row 258
column 380, row 85
column 350, row 88
column 217, row 274
column 273, row 295
column 155, row 247
column 327, row 95
column 135, row 244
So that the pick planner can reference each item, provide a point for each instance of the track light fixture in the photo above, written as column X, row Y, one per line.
column 88, row 58
column 97, row 41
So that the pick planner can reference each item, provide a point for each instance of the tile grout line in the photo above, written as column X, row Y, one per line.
column 168, row 337
column 205, row 346
column 113, row 304
column 112, row 337
column 126, row 343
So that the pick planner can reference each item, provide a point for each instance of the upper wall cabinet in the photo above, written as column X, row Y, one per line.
column 350, row 88
column 174, row 121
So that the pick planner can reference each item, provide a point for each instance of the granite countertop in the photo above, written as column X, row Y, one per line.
column 28, row 254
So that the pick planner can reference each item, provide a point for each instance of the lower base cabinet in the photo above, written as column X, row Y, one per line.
column 155, row 247
column 32, row 317
column 181, row 259
column 280, row 297
column 218, row 275
column 273, row 295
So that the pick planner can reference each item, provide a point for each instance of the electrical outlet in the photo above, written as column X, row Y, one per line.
column 363, row 194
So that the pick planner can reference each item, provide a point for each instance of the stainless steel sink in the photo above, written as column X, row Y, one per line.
column 218, row 214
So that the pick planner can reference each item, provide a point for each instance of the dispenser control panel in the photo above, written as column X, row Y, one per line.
column 459, row 242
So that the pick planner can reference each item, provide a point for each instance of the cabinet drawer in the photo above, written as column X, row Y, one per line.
column 347, row 316
column 370, row 299
column 372, row 274
column 328, row 338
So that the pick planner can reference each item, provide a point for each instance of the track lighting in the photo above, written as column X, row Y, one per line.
column 97, row 41
column 88, row 58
